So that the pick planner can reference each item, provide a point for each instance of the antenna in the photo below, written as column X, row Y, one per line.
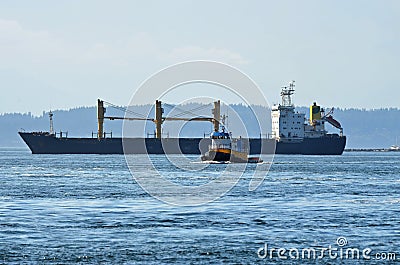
column 51, row 123
column 286, row 94
column 223, row 118
column 227, row 116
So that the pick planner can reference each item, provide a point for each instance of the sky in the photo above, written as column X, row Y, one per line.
column 65, row 54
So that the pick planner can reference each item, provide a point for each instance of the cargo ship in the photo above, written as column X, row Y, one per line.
column 291, row 133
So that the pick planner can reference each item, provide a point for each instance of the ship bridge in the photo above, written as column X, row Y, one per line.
column 287, row 125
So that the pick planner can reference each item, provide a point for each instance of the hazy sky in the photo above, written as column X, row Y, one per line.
column 62, row 54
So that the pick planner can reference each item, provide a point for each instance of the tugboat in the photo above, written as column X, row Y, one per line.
column 225, row 149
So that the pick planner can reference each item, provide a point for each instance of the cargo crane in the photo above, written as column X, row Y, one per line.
column 158, row 120
column 329, row 118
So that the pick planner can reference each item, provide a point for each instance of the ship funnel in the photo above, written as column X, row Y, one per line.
column 315, row 112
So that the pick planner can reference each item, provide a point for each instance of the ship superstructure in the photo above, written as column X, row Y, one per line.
column 287, row 125
column 291, row 126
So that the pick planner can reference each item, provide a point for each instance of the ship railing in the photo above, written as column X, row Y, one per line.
column 94, row 134
column 154, row 135
column 220, row 146
column 61, row 134
column 267, row 135
column 243, row 150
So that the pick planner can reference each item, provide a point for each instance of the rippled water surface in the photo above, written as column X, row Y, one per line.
column 58, row 209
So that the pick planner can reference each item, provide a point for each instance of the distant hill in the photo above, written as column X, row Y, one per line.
column 364, row 128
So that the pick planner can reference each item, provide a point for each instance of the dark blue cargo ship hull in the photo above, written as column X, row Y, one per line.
column 44, row 143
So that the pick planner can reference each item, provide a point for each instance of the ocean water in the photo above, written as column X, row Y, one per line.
column 88, row 209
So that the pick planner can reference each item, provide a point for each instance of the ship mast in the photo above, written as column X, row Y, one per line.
column 51, row 123
column 286, row 94
column 217, row 115
column 159, row 119
column 100, row 119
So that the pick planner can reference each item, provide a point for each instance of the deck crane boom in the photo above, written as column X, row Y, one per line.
column 159, row 119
